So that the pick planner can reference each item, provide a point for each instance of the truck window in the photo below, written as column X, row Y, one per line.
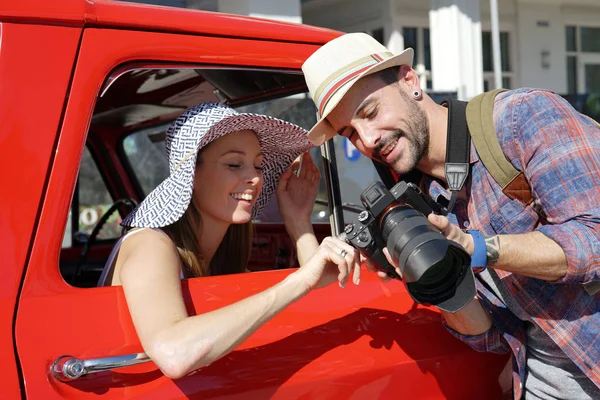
column 132, row 113
column 91, row 200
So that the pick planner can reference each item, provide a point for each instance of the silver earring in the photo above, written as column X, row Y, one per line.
column 417, row 94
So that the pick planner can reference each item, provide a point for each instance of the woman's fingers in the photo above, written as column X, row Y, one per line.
column 303, row 168
column 372, row 268
column 383, row 276
column 334, row 255
column 316, row 175
column 356, row 275
column 296, row 165
column 351, row 260
column 309, row 170
column 369, row 264
column 389, row 258
column 306, row 167
column 284, row 179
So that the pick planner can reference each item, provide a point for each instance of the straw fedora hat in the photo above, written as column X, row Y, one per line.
column 332, row 70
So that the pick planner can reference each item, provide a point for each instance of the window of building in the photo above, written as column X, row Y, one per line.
column 590, row 39
column 571, row 74
column 378, row 35
column 418, row 39
column 488, row 60
column 571, row 34
column 583, row 59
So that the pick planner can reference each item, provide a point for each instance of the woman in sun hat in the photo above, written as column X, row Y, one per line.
column 224, row 167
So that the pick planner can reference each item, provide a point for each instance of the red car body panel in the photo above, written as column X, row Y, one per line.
column 31, row 101
column 370, row 341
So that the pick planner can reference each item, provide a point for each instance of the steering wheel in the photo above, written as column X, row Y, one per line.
column 129, row 203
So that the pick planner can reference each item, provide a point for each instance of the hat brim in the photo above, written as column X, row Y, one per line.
column 281, row 143
column 323, row 131
column 167, row 202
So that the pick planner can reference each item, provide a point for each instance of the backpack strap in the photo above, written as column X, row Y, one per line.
column 481, row 126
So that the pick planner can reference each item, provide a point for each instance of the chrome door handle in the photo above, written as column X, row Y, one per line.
column 68, row 368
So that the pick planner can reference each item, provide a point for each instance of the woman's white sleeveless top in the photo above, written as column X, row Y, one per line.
column 113, row 254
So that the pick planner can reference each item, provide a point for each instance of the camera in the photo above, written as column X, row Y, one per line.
column 435, row 270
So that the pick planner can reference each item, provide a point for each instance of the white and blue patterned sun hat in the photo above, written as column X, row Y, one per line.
column 281, row 143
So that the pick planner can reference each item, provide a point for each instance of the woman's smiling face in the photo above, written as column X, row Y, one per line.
column 228, row 179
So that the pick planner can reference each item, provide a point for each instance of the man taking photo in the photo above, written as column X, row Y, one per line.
column 536, row 293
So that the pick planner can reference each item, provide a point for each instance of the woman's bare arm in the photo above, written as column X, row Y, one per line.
column 179, row 343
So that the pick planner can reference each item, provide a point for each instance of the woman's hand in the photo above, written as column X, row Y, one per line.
column 333, row 260
column 297, row 190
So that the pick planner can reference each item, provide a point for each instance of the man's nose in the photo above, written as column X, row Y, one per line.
column 369, row 137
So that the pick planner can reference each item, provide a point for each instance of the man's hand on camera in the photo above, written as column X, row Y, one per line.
column 372, row 268
column 443, row 224
column 452, row 232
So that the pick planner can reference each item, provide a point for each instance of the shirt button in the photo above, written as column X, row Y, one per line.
column 466, row 224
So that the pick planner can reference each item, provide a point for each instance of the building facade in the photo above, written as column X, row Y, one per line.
column 552, row 44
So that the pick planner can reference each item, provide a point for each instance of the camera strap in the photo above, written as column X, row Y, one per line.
column 458, row 149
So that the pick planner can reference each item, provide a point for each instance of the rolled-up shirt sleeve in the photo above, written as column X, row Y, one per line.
column 560, row 153
column 490, row 341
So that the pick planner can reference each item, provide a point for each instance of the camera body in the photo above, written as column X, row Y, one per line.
column 432, row 266
column 364, row 233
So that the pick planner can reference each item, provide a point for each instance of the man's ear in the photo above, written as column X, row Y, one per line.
column 408, row 76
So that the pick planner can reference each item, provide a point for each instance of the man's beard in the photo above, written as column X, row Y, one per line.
column 418, row 138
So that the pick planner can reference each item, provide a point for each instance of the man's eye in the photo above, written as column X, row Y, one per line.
column 372, row 113
column 259, row 168
column 234, row 166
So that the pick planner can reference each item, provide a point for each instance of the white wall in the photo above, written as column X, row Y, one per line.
column 346, row 15
column 281, row 10
column 534, row 39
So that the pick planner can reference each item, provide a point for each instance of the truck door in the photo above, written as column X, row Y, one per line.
column 30, row 110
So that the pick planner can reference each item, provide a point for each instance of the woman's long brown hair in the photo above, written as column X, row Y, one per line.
column 230, row 258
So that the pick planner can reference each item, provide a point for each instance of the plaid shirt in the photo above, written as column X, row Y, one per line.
column 559, row 151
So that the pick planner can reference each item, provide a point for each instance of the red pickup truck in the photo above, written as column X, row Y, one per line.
column 87, row 89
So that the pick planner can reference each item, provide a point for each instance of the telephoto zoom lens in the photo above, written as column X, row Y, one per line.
column 436, row 270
